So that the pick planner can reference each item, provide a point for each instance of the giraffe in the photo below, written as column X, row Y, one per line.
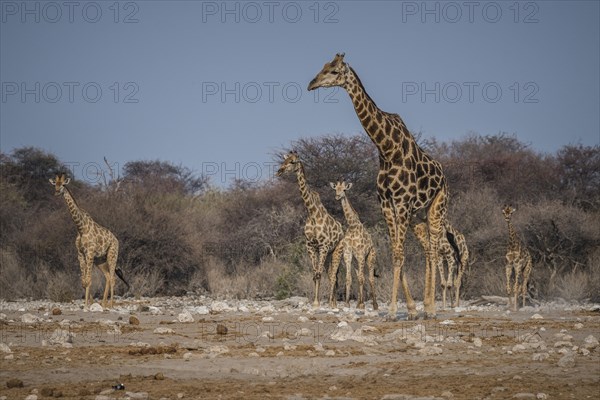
column 518, row 263
column 93, row 242
column 357, row 243
column 322, row 232
column 455, row 253
column 411, row 186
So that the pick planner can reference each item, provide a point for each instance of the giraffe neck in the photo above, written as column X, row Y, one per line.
column 305, row 191
column 387, row 135
column 513, row 240
column 350, row 213
column 79, row 216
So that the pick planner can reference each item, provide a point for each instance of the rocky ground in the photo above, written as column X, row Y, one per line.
column 198, row 348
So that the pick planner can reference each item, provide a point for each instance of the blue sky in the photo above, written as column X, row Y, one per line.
column 220, row 86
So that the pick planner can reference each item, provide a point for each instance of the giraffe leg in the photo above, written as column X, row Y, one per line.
column 421, row 232
column 450, row 280
column 105, row 271
column 443, row 280
column 361, row 281
column 348, row 263
column 336, row 258
column 509, row 273
column 435, row 222
column 526, row 274
column 516, row 289
column 314, row 259
column 371, row 265
column 317, row 277
column 397, row 226
column 111, row 259
column 86, row 279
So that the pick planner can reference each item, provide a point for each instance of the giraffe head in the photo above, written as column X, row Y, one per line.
column 340, row 188
column 507, row 211
column 332, row 74
column 59, row 184
column 291, row 161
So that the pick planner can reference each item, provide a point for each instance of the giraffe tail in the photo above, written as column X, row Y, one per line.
column 119, row 273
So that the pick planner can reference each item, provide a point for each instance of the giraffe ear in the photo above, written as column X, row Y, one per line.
column 52, row 181
column 332, row 185
column 348, row 186
column 67, row 181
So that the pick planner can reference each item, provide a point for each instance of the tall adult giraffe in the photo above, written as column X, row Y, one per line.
column 518, row 263
column 357, row 243
column 322, row 232
column 93, row 243
column 411, row 185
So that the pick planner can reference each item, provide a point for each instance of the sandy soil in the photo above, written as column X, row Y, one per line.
column 287, row 350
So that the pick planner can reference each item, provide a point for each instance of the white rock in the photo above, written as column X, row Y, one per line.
column 302, row 318
column 330, row 353
column 31, row 397
column 566, row 361
column 590, row 342
column 185, row 317
column 519, row 347
column 220, row 306
column 342, row 332
column 161, row 330
column 154, row 310
column 541, row 396
column 61, row 337
column 30, row 319
column 4, row 348
column 268, row 319
column 137, row 395
column 304, row 332
column 447, row 322
column 540, row 356
column 477, row 342
column 579, row 325
column 524, row 396
column 536, row 316
column 96, row 308
column 187, row 356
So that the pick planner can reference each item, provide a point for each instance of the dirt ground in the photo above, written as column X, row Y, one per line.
column 287, row 350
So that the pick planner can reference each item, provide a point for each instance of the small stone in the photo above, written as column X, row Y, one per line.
column 14, row 383
column 590, row 342
column 96, row 308
column 578, row 325
column 536, row 316
column 477, row 342
column 161, row 330
column 268, row 319
column 330, row 353
column 159, row 376
column 142, row 308
column 524, row 396
column 540, row 356
column 133, row 320
column 430, row 351
column 31, row 397
column 4, row 348
column 56, row 311
column 541, row 396
column 302, row 318
column 567, row 361
column 185, row 317
column 29, row 319
column 187, row 356
column 447, row 394
column 47, row 392
column 221, row 329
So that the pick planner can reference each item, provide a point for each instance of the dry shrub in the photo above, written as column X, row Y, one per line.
column 146, row 283
column 15, row 282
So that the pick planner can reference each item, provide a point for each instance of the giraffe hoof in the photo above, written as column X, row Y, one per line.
column 375, row 306
column 412, row 317
column 361, row 306
column 430, row 316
